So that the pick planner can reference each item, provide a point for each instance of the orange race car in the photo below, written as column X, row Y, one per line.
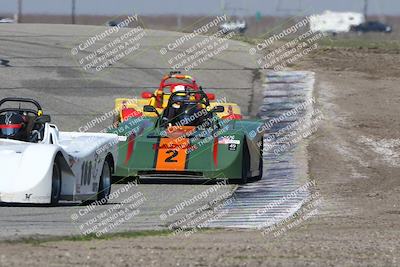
column 171, row 83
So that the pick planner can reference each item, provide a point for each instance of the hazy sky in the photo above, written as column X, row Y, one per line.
column 267, row 7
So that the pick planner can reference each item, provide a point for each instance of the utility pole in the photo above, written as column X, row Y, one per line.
column 19, row 12
column 73, row 11
column 223, row 6
column 179, row 21
column 365, row 8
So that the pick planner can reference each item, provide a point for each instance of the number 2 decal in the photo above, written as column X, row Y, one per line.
column 171, row 158
column 172, row 154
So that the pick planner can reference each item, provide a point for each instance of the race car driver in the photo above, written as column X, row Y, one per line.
column 13, row 126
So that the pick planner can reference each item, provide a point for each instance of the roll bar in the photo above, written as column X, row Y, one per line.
column 22, row 100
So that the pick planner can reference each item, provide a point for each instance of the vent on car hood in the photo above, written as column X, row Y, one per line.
column 170, row 174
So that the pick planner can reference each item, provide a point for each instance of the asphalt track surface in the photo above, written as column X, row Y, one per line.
column 40, row 65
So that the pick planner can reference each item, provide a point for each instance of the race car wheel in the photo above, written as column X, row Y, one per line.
column 55, row 184
column 116, row 121
column 261, row 164
column 245, row 165
column 105, row 183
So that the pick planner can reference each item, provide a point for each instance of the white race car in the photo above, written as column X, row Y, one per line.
column 40, row 164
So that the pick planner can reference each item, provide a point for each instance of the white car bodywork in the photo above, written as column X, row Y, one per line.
column 335, row 22
column 26, row 168
column 6, row 20
column 234, row 26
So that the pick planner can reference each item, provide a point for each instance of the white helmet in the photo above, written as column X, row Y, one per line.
column 179, row 88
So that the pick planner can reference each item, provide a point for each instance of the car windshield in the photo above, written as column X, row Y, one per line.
column 187, row 114
column 186, row 109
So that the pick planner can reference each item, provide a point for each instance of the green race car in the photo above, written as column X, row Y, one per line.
column 189, row 140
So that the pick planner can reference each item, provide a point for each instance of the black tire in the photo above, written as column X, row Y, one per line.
column 245, row 165
column 56, row 184
column 105, row 183
column 261, row 164
column 116, row 121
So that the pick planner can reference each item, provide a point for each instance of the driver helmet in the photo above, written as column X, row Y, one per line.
column 179, row 88
column 176, row 105
column 12, row 126
column 178, row 101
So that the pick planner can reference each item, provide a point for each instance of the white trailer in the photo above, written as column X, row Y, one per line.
column 335, row 22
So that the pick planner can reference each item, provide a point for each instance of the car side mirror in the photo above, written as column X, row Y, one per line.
column 147, row 95
column 218, row 109
column 149, row 108
column 210, row 96
column 43, row 119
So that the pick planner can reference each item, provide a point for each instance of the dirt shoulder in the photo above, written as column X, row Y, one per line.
column 355, row 159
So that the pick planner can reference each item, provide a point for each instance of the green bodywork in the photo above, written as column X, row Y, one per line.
column 207, row 157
